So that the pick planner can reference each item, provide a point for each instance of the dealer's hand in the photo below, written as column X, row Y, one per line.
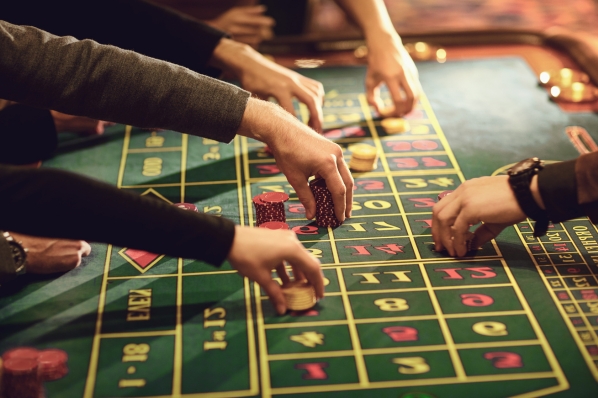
column 245, row 24
column 489, row 200
column 256, row 252
column 265, row 79
column 300, row 153
column 48, row 255
column 390, row 64
column 78, row 124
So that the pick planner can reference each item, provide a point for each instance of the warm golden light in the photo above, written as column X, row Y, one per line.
column 544, row 77
column 555, row 91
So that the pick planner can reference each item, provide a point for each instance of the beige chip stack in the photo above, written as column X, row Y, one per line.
column 363, row 157
column 300, row 295
column 394, row 125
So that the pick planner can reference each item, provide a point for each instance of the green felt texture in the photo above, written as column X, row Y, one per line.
column 518, row 317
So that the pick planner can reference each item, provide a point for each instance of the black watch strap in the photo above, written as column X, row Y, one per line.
column 520, row 183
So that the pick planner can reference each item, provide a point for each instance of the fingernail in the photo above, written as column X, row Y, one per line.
column 281, row 309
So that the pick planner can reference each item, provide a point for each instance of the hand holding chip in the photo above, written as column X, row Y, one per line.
column 256, row 252
column 487, row 199
column 300, row 153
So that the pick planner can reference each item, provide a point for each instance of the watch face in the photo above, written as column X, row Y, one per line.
column 18, row 254
column 524, row 166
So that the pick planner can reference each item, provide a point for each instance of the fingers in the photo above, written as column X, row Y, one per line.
column 286, row 102
column 442, row 224
column 309, row 266
column 282, row 273
column 314, row 105
column 373, row 94
column 485, row 233
column 349, row 184
column 336, row 186
column 274, row 292
column 85, row 249
column 306, row 197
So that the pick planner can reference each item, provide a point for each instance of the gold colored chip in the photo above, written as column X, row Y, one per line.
column 299, row 295
column 394, row 125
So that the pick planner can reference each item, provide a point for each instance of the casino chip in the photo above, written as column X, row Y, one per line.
column 274, row 225
column 52, row 364
column 20, row 378
column 299, row 295
column 269, row 206
column 444, row 194
column 363, row 157
column 186, row 206
column 394, row 125
column 325, row 216
column 21, row 353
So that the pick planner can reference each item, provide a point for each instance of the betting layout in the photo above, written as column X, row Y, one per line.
column 397, row 313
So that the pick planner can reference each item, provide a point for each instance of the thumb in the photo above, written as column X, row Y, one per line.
column 485, row 233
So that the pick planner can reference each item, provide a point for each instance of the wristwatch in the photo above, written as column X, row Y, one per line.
column 13, row 257
column 520, row 178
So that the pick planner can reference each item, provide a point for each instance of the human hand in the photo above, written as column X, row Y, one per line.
column 48, row 255
column 265, row 79
column 390, row 63
column 78, row 124
column 300, row 153
column 245, row 24
column 257, row 251
column 487, row 199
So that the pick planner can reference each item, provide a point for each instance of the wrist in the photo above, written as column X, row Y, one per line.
column 228, row 55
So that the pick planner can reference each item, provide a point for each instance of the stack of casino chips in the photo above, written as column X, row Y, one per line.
column 394, row 125
column 24, row 369
column 274, row 225
column 325, row 216
column 269, row 206
column 299, row 295
column 363, row 157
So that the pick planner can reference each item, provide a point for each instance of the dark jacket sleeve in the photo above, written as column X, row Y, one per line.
column 136, row 25
column 570, row 189
column 27, row 134
column 56, row 203
column 108, row 83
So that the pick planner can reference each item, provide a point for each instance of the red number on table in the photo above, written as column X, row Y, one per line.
column 399, row 145
column 315, row 371
column 431, row 162
column 425, row 145
column 401, row 333
column 504, row 360
column 405, row 163
column 476, row 300
column 423, row 202
column 370, row 185
column 268, row 169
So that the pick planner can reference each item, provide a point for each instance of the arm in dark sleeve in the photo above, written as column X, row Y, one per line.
column 55, row 203
column 27, row 134
column 570, row 189
column 137, row 25
column 107, row 83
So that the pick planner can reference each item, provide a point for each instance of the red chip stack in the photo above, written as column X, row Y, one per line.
column 325, row 216
column 444, row 194
column 52, row 364
column 186, row 206
column 21, row 353
column 269, row 206
column 20, row 378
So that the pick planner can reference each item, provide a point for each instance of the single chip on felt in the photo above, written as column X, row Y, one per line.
column 363, row 157
column 444, row 194
column 187, row 206
column 21, row 353
column 393, row 125
column 274, row 225
column 52, row 364
column 299, row 295
column 20, row 378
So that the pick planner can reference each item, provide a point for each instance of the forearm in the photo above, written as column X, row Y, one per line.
column 144, row 27
column 371, row 16
column 107, row 83
column 54, row 203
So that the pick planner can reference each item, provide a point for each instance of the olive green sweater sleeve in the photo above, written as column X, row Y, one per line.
column 108, row 83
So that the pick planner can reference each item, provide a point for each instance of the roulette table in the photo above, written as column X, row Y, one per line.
column 517, row 317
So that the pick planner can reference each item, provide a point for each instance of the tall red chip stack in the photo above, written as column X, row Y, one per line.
column 269, row 206
column 325, row 216
column 20, row 379
column 21, row 353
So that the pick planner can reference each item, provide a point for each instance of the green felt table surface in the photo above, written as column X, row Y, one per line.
column 518, row 317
